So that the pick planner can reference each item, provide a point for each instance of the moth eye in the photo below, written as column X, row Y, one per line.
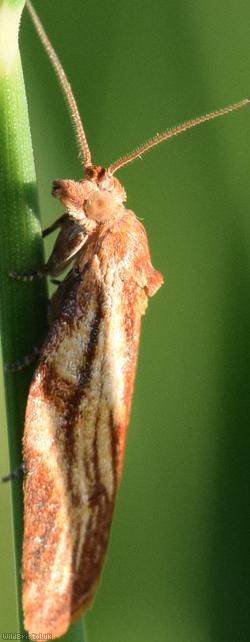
column 101, row 206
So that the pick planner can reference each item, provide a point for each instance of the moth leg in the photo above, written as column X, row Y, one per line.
column 14, row 473
column 68, row 243
column 29, row 276
column 58, row 223
column 45, row 270
column 70, row 240
column 20, row 364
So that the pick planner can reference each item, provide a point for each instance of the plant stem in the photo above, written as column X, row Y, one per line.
column 22, row 310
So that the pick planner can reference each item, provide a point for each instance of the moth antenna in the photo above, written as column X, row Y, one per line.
column 65, row 85
column 159, row 138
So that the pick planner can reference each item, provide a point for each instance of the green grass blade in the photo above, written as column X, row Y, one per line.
column 22, row 305
column 22, row 309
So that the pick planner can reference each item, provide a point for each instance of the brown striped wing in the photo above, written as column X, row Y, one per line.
column 76, row 420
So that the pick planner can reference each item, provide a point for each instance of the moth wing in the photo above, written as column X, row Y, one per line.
column 76, row 420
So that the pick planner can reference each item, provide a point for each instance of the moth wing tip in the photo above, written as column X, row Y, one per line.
column 52, row 631
column 154, row 282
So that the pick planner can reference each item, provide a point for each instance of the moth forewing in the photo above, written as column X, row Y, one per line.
column 76, row 421
column 80, row 397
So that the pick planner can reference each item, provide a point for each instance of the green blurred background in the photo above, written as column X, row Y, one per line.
column 178, row 567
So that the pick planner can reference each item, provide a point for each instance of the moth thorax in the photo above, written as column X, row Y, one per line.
column 102, row 206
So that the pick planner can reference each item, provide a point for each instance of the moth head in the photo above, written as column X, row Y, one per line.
column 99, row 196
column 104, row 202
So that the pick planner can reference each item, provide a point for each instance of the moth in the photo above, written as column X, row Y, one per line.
column 80, row 396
